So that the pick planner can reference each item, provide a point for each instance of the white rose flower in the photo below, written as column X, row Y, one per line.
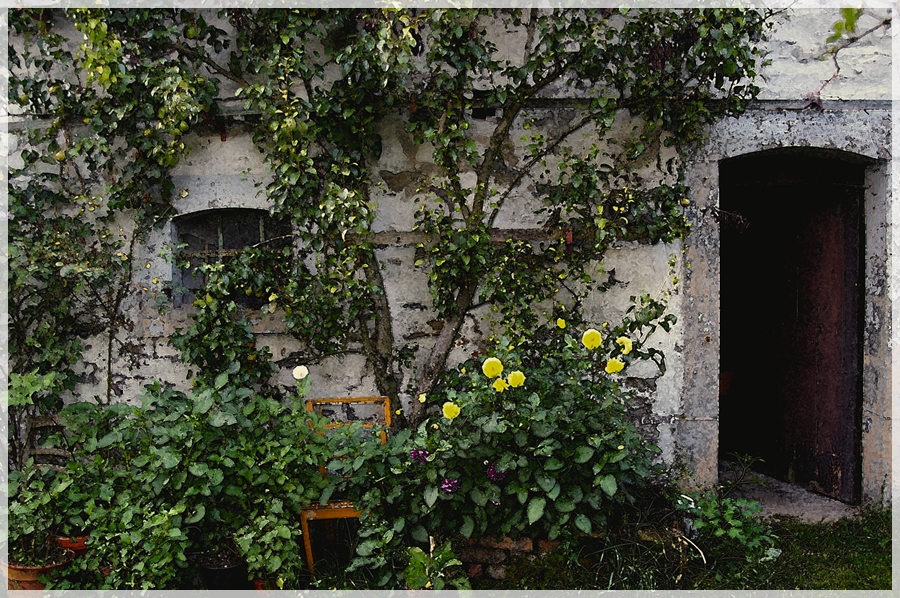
column 300, row 372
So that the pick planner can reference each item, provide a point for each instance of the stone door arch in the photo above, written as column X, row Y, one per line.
column 858, row 137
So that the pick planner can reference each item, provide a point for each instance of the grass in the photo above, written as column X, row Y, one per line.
column 851, row 554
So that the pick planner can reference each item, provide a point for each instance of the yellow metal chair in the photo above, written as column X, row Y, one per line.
column 339, row 509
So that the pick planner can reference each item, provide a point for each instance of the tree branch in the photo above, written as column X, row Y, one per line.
column 210, row 63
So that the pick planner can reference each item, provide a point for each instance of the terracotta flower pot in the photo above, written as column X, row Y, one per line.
column 77, row 544
column 20, row 577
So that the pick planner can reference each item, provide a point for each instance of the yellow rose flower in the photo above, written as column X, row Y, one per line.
column 492, row 367
column 450, row 410
column 625, row 343
column 613, row 366
column 560, row 323
column 500, row 385
column 516, row 379
column 591, row 338
column 422, row 398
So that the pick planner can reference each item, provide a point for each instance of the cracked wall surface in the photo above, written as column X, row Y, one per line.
column 678, row 409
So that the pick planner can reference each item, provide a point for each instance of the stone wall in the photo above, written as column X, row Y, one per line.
column 680, row 408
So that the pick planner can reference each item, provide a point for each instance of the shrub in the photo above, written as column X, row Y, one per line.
column 530, row 438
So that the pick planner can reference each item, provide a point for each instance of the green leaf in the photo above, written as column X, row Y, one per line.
column 608, row 484
column 431, row 494
column 221, row 380
column 419, row 534
column 553, row 464
column 274, row 563
column 478, row 497
column 545, row 482
column 169, row 458
column 203, row 402
column 198, row 469
column 583, row 523
column 564, row 505
column 583, row 454
column 367, row 547
column 468, row 527
column 198, row 514
column 522, row 495
column 536, row 508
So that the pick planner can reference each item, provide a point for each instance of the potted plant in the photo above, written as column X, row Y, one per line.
column 70, row 494
column 222, row 566
column 205, row 477
column 32, row 553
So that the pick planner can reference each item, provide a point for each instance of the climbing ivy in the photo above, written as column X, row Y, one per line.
column 582, row 106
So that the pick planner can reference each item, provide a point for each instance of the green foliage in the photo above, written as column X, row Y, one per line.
column 31, row 513
column 320, row 85
column 846, row 25
column 501, row 455
column 184, row 472
column 731, row 519
column 226, row 459
column 219, row 339
column 428, row 571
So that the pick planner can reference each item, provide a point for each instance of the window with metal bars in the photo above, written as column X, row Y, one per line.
column 218, row 235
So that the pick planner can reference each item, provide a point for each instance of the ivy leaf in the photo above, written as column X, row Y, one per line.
column 198, row 469
column 366, row 548
column 274, row 563
column 198, row 514
column 169, row 458
column 221, row 380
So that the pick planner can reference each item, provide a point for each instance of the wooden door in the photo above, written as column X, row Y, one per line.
column 791, row 315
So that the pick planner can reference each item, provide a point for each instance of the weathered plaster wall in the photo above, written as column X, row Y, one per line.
column 682, row 404
column 796, row 47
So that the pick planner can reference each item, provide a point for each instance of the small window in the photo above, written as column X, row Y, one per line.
column 218, row 235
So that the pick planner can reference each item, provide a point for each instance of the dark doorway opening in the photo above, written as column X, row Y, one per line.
column 792, row 317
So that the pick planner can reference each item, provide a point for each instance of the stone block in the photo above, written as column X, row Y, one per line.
column 545, row 546
column 487, row 556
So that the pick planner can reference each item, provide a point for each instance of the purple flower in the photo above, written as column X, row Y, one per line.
column 450, row 485
column 418, row 455
column 495, row 475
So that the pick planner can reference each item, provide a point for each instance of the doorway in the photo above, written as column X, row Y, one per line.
column 791, row 229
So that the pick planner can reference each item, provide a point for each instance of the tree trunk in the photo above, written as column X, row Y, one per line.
column 437, row 359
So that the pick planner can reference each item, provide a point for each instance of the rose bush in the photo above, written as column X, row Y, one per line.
column 546, row 451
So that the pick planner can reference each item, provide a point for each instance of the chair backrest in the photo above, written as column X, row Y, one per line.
column 345, row 405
